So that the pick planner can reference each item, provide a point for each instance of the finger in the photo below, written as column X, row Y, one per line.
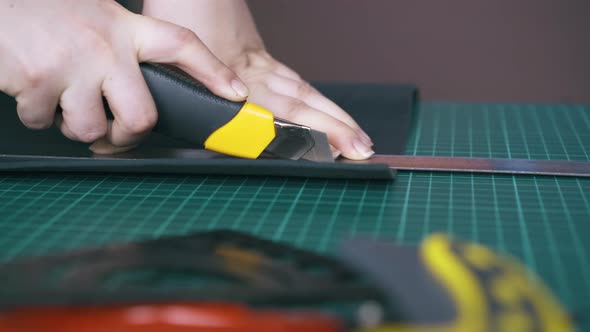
column 276, row 66
column 103, row 146
column 341, row 136
column 287, row 72
column 163, row 42
column 335, row 152
column 131, row 104
column 83, row 116
column 36, row 108
column 59, row 123
column 12, row 79
column 305, row 92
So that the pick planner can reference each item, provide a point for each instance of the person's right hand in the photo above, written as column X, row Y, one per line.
column 73, row 52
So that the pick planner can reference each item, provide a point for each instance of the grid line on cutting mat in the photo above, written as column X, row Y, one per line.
column 90, row 224
column 541, row 220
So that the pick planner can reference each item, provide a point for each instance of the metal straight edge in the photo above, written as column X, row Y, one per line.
column 481, row 165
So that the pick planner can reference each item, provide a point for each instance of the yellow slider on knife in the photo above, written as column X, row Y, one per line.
column 246, row 135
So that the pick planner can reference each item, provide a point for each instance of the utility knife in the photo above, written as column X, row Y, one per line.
column 188, row 111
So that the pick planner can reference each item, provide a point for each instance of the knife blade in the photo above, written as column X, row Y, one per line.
column 190, row 112
column 295, row 142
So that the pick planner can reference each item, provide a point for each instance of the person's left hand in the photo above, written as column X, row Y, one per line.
column 278, row 88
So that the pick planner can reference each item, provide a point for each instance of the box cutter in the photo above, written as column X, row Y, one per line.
column 190, row 112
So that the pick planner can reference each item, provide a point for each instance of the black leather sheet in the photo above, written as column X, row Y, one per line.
column 383, row 110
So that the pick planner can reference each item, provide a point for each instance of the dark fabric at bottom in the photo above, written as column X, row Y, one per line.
column 384, row 111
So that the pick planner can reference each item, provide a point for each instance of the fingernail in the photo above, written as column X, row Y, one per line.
column 366, row 139
column 240, row 89
column 363, row 149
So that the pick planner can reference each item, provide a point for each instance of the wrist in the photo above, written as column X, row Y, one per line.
column 225, row 26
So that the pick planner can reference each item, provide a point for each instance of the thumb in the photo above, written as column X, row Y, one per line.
column 163, row 42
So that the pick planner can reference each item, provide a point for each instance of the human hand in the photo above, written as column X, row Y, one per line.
column 271, row 84
column 71, row 53
column 278, row 88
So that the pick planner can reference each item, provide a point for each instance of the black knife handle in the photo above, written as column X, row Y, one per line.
column 187, row 110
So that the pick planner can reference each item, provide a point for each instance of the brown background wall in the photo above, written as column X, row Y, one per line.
column 472, row 50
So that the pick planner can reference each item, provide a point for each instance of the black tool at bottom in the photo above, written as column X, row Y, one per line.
column 208, row 266
column 449, row 285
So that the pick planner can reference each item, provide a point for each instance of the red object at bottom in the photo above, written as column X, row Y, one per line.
column 165, row 317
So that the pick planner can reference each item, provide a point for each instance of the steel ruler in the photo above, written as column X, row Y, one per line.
column 481, row 165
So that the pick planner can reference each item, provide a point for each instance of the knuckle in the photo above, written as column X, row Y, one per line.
column 91, row 135
column 283, row 68
column 304, row 90
column 94, row 45
column 43, row 72
column 294, row 108
column 33, row 115
column 84, row 128
column 90, row 132
column 183, row 37
column 141, row 124
column 35, row 76
column 34, row 121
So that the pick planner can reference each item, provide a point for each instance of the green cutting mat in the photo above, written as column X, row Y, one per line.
column 544, row 221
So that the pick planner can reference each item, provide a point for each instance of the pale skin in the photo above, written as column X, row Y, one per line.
column 71, row 53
